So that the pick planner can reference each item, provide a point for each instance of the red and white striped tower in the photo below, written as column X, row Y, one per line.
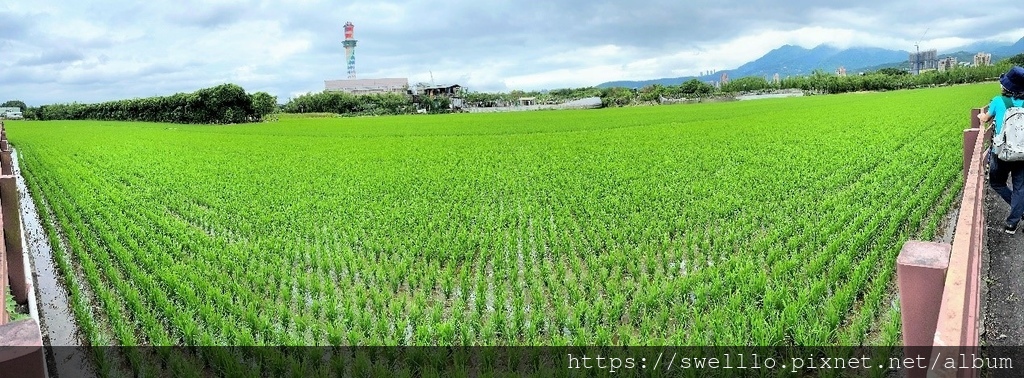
column 350, row 49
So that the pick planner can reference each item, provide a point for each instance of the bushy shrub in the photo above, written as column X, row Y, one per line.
column 226, row 103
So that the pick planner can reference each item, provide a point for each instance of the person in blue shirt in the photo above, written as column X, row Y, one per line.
column 1012, row 83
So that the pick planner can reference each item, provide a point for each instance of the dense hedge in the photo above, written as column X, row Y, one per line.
column 349, row 104
column 226, row 103
column 821, row 82
column 818, row 82
column 829, row 83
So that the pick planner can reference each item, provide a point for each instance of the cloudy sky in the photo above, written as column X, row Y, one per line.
column 89, row 51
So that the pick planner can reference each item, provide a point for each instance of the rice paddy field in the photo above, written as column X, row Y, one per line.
column 768, row 222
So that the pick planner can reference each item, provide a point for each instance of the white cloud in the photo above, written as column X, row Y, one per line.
column 586, row 55
column 1011, row 35
column 97, row 51
column 564, row 78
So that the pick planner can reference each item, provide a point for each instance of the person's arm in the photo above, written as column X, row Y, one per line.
column 984, row 117
column 990, row 115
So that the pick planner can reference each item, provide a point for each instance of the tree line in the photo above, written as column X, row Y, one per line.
column 229, row 103
column 350, row 104
column 222, row 104
column 818, row 82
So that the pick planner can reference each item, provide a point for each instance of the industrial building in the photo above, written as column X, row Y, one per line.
column 385, row 85
column 368, row 86
column 362, row 86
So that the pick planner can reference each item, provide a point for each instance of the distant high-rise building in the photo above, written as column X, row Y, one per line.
column 725, row 78
column 841, row 71
column 775, row 78
column 947, row 63
column 924, row 60
column 982, row 59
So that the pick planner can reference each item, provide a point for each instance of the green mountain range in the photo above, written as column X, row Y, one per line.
column 790, row 60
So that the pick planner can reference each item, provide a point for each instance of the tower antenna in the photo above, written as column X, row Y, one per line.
column 350, row 49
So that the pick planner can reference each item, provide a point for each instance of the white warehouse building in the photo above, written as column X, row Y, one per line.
column 368, row 86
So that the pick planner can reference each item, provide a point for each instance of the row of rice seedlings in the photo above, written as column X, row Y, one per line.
column 140, row 274
column 80, row 306
column 524, row 253
column 109, row 302
column 96, row 323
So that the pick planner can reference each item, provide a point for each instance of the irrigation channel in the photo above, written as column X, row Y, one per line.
column 66, row 357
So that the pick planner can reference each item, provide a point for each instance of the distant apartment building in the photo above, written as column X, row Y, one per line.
column 947, row 63
column 982, row 59
column 923, row 61
column 841, row 71
column 368, row 86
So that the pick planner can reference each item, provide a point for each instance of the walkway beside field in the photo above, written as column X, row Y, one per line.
column 1004, row 278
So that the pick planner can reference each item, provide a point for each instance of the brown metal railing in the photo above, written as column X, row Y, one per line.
column 21, row 342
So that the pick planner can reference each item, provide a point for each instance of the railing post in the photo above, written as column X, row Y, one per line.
column 9, row 208
column 4, row 317
column 920, row 274
column 6, row 163
column 970, row 136
column 21, row 350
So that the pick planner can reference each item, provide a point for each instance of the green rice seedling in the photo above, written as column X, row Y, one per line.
column 550, row 228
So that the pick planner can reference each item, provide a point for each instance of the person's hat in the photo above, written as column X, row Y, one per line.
column 1013, row 80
